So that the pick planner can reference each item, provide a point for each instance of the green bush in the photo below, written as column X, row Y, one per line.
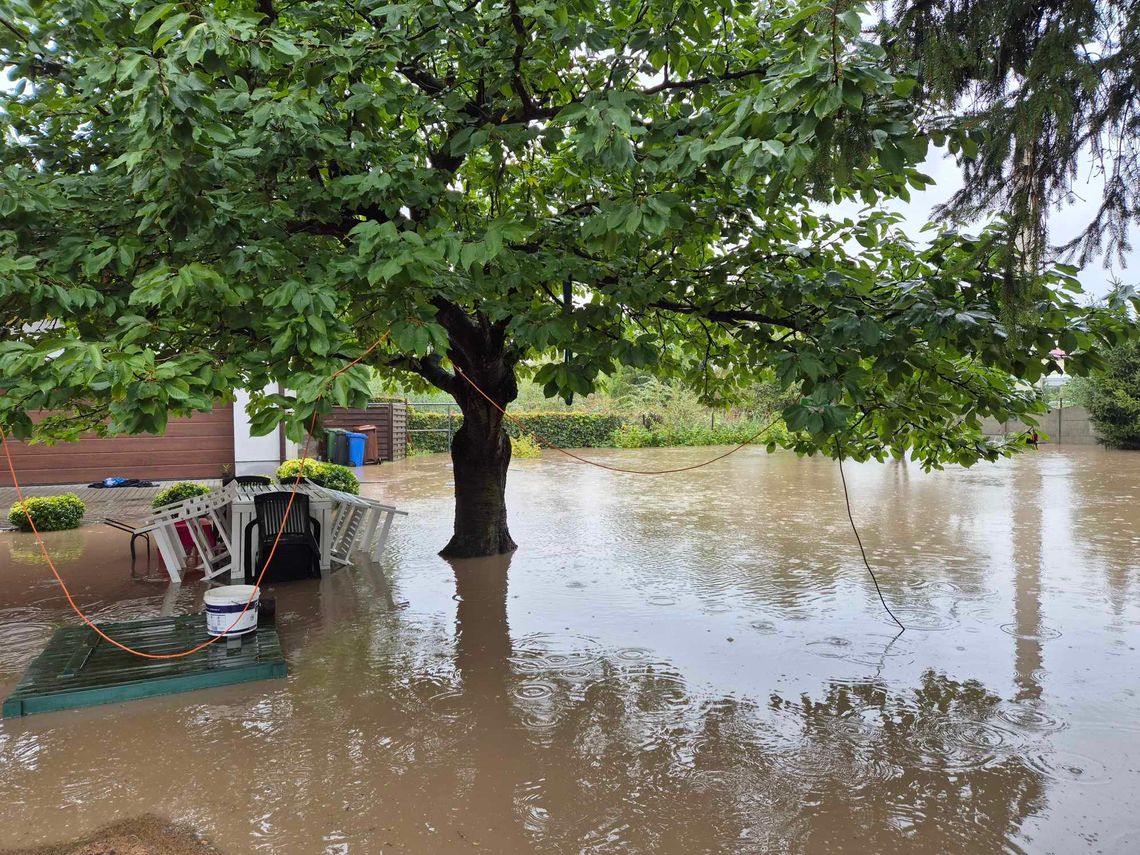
column 633, row 435
column 566, row 430
column 1112, row 397
column 287, row 471
column 330, row 475
column 49, row 513
column 179, row 492
column 525, row 446
column 661, row 435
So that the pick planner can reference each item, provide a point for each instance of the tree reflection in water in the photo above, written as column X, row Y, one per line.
column 591, row 750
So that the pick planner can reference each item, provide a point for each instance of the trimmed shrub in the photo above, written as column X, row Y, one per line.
column 330, row 475
column 567, row 430
column 179, row 492
column 287, row 471
column 661, row 435
column 525, row 446
column 49, row 513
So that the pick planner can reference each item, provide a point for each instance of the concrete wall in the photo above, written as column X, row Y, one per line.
column 1061, row 426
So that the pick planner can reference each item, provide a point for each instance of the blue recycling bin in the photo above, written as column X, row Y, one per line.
column 355, row 448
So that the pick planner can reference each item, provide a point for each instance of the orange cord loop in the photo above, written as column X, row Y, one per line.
column 571, row 454
column 292, row 496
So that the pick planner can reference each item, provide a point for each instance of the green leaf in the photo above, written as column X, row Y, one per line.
column 147, row 19
column 285, row 46
column 97, row 261
column 851, row 21
column 169, row 28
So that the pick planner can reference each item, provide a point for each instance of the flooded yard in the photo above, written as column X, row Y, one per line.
column 688, row 663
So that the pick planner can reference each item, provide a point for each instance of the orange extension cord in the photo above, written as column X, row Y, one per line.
column 574, row 456
column 292, row 495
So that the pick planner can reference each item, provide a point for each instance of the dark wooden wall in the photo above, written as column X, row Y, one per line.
column 195, row 447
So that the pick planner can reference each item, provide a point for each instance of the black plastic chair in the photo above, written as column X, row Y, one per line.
column 253, row 480
column 298, row 553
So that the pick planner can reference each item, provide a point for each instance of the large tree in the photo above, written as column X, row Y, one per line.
column 1050, row 92
column 197, row 197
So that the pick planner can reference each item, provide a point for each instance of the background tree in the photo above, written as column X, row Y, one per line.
column 197, row 197
column 1040, row 86
column 1112, row 397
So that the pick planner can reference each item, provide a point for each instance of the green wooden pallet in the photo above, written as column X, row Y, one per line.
column 79, row 669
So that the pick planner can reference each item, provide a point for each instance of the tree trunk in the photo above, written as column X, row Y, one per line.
column 483, row 384
column 480, row 453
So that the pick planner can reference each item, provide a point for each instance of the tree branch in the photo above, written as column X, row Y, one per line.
column 697, row 82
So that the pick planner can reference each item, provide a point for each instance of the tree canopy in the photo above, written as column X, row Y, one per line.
column 196, row 197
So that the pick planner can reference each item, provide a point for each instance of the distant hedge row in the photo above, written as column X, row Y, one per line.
column 567, row 430
column 592, row 430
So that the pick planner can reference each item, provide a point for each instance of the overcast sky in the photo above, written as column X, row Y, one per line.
column 1064, row 224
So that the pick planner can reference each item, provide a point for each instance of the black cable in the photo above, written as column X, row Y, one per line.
column 859, row 540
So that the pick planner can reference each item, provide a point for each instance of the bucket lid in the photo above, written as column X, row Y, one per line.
column 230, row 594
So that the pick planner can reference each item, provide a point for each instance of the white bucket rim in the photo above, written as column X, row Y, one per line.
column 228, row 595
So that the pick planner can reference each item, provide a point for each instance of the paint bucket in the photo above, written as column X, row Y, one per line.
column 223, row 605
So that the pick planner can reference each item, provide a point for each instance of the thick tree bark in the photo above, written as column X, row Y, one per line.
column 480, row 454
column 480, row 449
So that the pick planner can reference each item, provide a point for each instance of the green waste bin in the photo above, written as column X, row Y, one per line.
column 340, row 455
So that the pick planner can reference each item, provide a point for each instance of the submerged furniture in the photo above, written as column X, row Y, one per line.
column 243, row 512
column 133, row 532
column 282, row 519
column 347, row 524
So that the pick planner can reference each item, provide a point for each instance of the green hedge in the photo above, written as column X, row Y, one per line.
column 524, row 446
column 49, row 513
column 330, row 475
column 567, row 430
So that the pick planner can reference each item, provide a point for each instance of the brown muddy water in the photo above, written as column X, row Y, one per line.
column 692, row 663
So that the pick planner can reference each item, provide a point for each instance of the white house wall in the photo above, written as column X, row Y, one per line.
column 253, row 455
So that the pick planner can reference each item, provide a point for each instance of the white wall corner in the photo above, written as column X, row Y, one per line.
column 253, row 455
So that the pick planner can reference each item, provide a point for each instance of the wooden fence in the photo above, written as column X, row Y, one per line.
column 390, row 419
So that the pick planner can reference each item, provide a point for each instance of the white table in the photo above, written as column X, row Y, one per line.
column 242, row 513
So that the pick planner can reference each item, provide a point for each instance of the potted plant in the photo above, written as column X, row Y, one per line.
column 179, row 492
